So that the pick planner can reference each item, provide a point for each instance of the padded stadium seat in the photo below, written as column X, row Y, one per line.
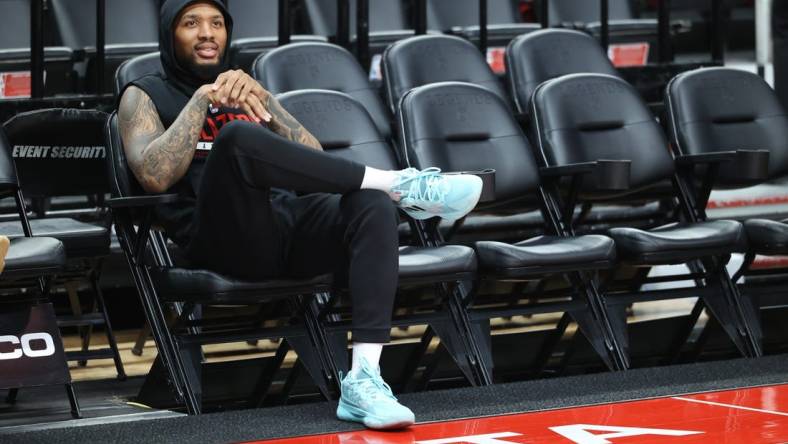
column 344, row 128
column 588, row 117
column 15, row 50
column 546, row 54
column 80, row 239
column 255, row 30
column 461, row 17
column 463, row 127
column 718, row 110
column 624, row 26
column 316, row 65
column 33, row 256
column 132, row 28
column 426, row 59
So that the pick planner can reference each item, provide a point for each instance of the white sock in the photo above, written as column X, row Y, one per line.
column 375, row 179
column 365, row 351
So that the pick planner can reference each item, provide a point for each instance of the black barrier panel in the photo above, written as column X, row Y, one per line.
column 31, row 351
column 59, row 152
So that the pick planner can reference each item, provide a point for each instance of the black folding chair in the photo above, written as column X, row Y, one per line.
column 464, row 127
column 60, row 156
column 30, row 265
column 591, row 117
column 735, row 119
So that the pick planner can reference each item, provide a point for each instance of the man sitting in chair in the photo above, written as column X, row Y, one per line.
column 225, row 144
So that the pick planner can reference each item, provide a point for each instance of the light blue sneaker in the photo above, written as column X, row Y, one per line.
column 428, row 193
column 368, row 400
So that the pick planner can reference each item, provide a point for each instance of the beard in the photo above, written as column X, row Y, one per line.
column 206, row 72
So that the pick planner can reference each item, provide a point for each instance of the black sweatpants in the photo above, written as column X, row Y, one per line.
column 243, row 228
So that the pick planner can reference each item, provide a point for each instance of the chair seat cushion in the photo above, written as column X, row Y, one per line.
column 204, row 286
column 545, row 252
column 678, row 242
column 766, row 236
column 30, row 256
column 418, row 262
column 79, row 238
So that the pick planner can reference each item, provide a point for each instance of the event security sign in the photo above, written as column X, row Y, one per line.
column 31, row 351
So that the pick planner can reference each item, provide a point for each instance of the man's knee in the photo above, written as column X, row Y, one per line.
column 372, row 204
column 231, row 135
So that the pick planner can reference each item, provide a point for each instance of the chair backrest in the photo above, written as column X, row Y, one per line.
column 342, row 125
column 549, row 53
column 446, row 14
column 723, row 109
column 587, row 11
column 59, row 152
column 254, row 18
column 460, row 127
column 426, row 59
column 15, row 32
column 316, row 65
column 384, row 15
column 127, row 22
column 135, row 68
column 589, row 117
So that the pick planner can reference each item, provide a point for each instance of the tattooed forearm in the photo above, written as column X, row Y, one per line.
column 287, row 126
column 157, row 157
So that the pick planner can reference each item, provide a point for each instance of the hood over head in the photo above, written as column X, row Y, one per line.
column 186, row 81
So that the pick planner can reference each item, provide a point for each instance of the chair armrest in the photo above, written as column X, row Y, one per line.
column 142, row 201
column 608, row 175
column 741, row 165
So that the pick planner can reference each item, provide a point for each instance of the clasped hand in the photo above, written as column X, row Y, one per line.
column 237, row 89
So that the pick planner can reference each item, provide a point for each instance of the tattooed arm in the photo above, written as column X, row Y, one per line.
column 158, row 157
column 287, row 126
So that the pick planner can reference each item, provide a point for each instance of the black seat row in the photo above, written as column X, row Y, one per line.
column 70, row 40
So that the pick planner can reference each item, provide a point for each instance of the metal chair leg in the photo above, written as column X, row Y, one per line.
column 113, row 345
column 72, row 399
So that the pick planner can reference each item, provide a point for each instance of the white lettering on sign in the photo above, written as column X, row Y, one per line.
column 26, row 348
column 58, row 152
column 581, row 433
column 491, row 438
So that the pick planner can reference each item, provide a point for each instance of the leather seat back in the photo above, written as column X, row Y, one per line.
column 342, row 125
column 135, row 68
column 546, row 54
column 588, row 117
column 723, row 109
column 59, row 152
column 459, row 127
column 127, row 22
column 122, row 182
column 586, row 11
column 426, row 59
column 316, row 65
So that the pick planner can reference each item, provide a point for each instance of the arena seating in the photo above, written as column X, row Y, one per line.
column 387, row 21
column 463, row 127
column 256, row 30
column 76, row 24
column 321, row 66
column 15, row 51
column 344, row 128
column 61, row 153
column 586, row 117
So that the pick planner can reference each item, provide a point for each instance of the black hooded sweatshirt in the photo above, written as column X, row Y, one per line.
column 170, row 91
